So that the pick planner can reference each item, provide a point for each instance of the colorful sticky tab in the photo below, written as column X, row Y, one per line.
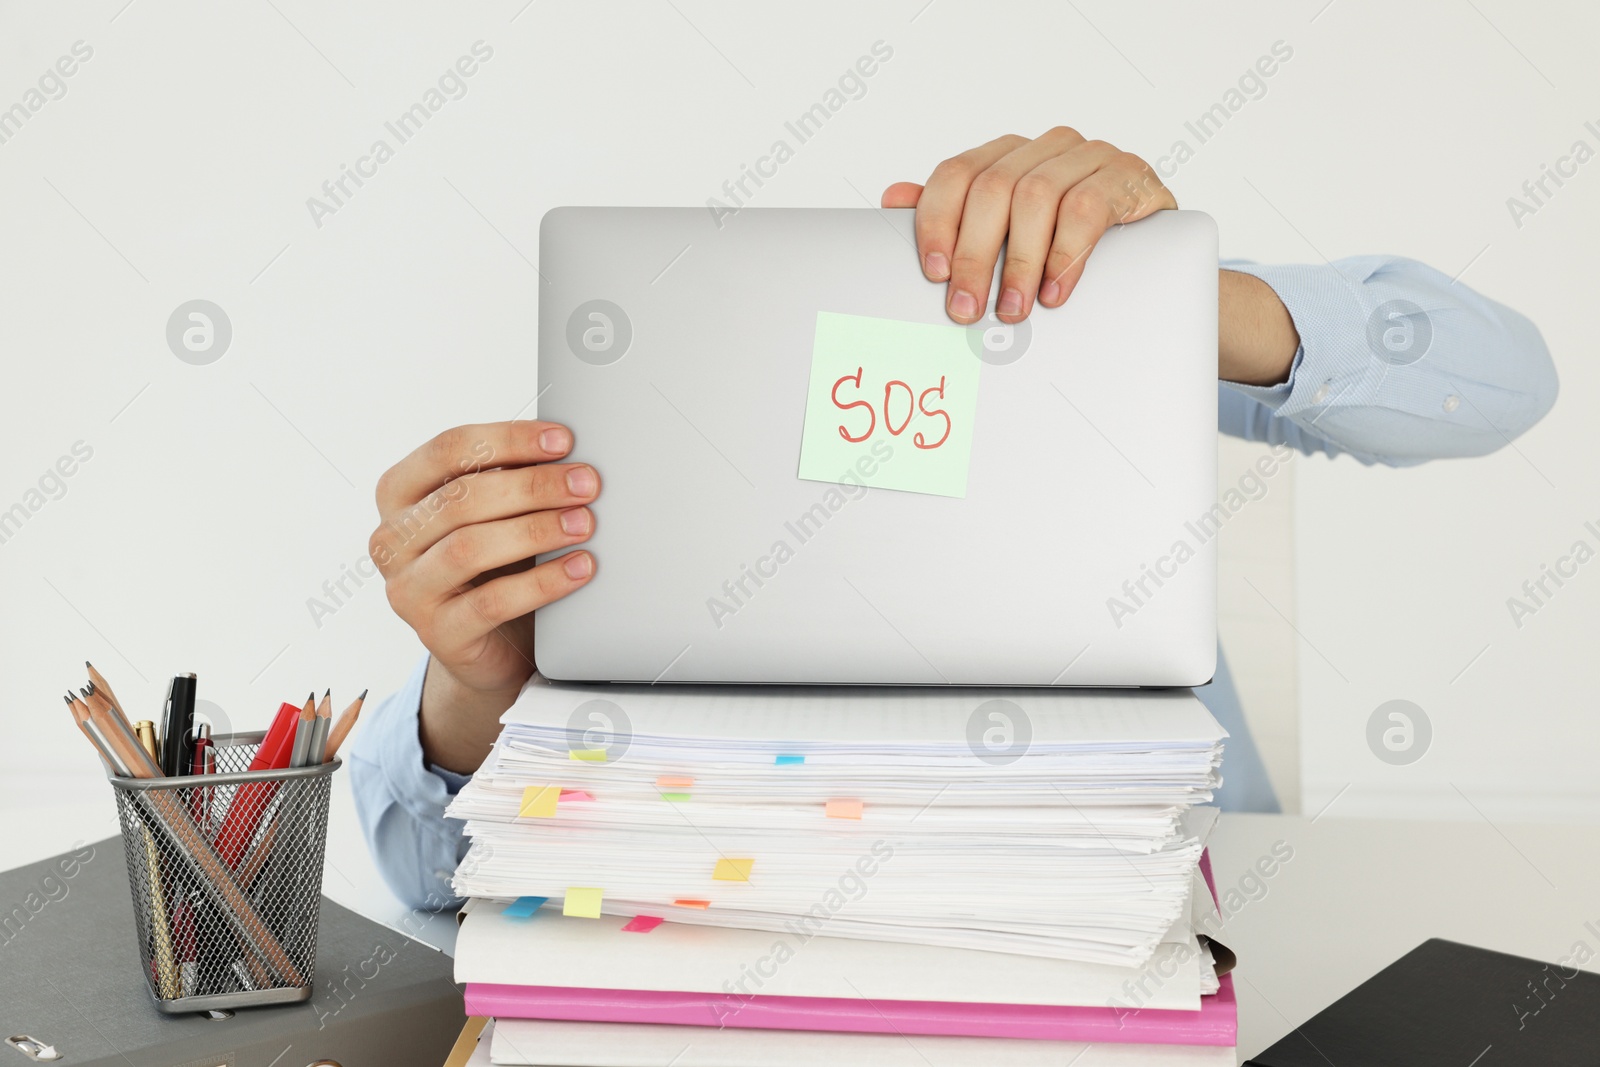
column 524, row 907
column 786, row 761
column 677, row 798
column 732, row 870
column 582, row 902
column 674, row 781
column 642, row 924
column 588, row 755
column 575, row 794
column 844, row 809
column 700, row 905
column 539, row 802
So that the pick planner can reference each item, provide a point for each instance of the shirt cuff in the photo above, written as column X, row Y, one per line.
column 1325, row 369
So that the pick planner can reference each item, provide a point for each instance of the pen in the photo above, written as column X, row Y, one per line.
column 145, row 731
column 175, row 727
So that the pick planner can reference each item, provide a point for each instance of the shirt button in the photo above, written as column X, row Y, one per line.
column 1452, row 402
column 1321, row 394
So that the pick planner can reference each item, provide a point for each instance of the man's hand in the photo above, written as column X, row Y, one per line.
column 463, row 517
column 1055, row 196
column 1051, row 200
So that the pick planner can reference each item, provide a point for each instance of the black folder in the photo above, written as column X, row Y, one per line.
column 1445, row 1004
column 71, row 980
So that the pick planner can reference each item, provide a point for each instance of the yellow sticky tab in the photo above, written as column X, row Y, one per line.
column 590, row 755
column 539, row 802
column 733, row 870
column 844, row 809
column 582, row 903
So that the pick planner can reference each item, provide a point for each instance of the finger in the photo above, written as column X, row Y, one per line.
column 468, row 449
column 986, row 219
column 1116, row 193
column 902, row 194
column 1035, row 205
column 468, row 552
column 491, row 604
column 939, row 207
column 477, row 498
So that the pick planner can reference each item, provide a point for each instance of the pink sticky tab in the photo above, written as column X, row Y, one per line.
column 642, row 924
column 575, row 794
column 844, row 809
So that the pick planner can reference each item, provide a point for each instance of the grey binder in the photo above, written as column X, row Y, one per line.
column 70, row 979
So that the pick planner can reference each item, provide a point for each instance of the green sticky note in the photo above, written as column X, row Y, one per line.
column 891, row 404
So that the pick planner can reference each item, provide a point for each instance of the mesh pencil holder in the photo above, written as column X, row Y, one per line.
column 225, row 871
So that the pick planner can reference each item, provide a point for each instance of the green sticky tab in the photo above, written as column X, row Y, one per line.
column 891, row 405
column 676, row 798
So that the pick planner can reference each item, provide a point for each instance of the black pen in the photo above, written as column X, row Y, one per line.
column 176, row 748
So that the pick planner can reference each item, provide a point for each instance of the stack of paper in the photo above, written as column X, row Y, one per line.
column 960, row 863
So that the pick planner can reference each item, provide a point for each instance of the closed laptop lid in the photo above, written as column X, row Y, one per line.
column 810, row 475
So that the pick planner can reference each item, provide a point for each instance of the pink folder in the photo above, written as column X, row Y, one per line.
column 1216, row 1023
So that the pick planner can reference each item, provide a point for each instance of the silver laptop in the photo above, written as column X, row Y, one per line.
column 811, row 475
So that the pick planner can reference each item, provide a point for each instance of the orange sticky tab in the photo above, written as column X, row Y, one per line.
column 539, row 802
column 674, row 781
column 732, row 870
column 844, row 809
column 702, row 905
column 582, row 902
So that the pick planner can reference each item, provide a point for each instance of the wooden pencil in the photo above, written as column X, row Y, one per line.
column 341, row 728
column 101, row 685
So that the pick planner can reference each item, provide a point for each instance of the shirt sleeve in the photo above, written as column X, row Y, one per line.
column 400, row 801
column 1397, row 364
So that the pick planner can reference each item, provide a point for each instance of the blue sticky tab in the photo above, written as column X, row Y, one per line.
column 524, row 907
column 784, row 761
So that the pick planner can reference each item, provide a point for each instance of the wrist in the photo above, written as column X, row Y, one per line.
column 1256, row 337
column 458, row 723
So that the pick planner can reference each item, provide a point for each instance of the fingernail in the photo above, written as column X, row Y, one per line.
column 578, row 565
column 1010, row 303
column 576, row 521
column 555, row 441
column 1050, row 291
column 937, row 266
column 963, row 305
column 580, row 481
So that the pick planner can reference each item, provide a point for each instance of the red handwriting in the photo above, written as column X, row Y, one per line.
column 912, row 404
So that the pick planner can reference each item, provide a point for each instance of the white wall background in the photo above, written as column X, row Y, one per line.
column 219, row 498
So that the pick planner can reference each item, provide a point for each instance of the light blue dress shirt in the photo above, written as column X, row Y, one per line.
column 1397, row 364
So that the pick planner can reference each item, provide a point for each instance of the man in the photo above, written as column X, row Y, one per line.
column 1383, row 358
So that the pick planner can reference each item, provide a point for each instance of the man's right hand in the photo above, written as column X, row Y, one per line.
column 462, row 518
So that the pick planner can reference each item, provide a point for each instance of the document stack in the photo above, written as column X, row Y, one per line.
column 770, row 876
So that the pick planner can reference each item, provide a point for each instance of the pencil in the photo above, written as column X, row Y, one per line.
column 103, row 686
column 341, row 729
column 119, row 738
column 302, row 733
column 82, row 719
column 319, row 732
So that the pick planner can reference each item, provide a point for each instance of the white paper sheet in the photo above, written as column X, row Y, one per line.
column 537, row 1043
